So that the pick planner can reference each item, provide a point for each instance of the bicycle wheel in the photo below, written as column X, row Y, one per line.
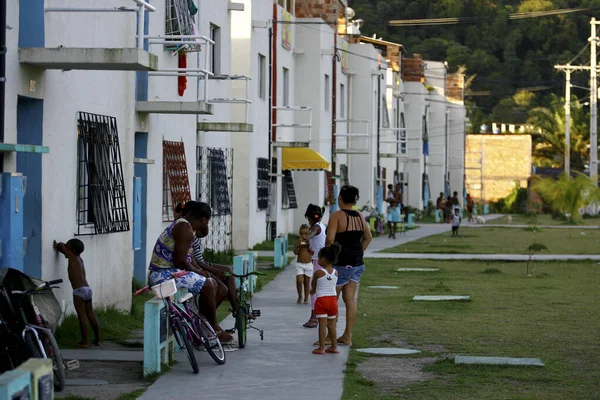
column 211, row 341
column 58, row 365
column 182, row 337
column 241, row 326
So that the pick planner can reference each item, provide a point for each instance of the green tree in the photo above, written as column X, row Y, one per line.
column 567, row 195
column 549, row 134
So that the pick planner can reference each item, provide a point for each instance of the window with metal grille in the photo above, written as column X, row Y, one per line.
column 288, row 193
column 179, row 20
column 425, row 136
column 176, row 184
column 329, row 182
column 262, row 183
column 101, row 199
column 214, row 178
column 403, row 140
column 344, row 174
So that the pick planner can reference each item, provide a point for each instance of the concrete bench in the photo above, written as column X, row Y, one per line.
column 15, row 385
column 42, row 377
column 281, row 249
column 159, row 342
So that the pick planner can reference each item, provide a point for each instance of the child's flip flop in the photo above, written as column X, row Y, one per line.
column 331, row 351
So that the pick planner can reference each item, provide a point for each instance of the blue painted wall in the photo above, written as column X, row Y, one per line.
column 31, row 23
column 140, row 264
column 141, row 87
column 11, row 221
column 30, row 114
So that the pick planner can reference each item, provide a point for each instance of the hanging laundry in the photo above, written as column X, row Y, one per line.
column 182, row 80
column 192, row 7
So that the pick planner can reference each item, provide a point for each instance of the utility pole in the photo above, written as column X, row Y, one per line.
column 593, row 105
column 567, row 68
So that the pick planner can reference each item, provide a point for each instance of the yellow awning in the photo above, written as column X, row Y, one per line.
column 303, row 159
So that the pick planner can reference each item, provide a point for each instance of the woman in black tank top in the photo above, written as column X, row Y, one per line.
column 349, row 228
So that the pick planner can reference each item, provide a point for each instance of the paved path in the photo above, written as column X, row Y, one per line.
column 280, row 367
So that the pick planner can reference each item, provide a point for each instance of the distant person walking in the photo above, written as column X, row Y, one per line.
column 350, row 229
column 470, row 207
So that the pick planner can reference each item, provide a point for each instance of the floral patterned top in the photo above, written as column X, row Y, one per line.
column 162, row 255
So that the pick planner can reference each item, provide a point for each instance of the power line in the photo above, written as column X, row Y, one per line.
column 467, row 20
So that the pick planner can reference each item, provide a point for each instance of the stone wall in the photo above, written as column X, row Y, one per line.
column 493, row 163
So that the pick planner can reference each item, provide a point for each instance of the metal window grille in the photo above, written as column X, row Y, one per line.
column 289, row 192
column 329, row 187
column 214, row 186
column 215, row 177
column 262, row 183
column 179, row 21
column 101, row 199
column 344, row 173
column 402, row 134
column 176, row 184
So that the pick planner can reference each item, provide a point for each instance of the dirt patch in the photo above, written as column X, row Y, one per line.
column 392, row 373
column 122, row 377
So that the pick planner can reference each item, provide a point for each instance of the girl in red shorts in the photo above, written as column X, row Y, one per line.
column 326, row 306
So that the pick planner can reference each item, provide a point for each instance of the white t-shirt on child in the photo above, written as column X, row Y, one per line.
column 456, row 220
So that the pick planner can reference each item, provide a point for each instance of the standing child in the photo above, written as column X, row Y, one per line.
column 316, row 237
column 304, row 264
column 82, row 294
column 393, row 217
column 456, row 220
column 324, row 288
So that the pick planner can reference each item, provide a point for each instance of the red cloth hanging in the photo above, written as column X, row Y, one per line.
column 182, row 80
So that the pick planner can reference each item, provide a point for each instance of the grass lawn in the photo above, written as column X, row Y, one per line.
column 117, row 326
column 552, row 315
column 269, row 245
column 498, row 240
column 543, row 219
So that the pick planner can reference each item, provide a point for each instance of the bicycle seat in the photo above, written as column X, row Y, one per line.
column 185, row 298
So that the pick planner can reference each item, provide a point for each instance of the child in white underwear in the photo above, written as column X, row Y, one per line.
column 304, row 264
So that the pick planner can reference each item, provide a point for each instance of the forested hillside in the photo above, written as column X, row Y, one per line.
column 504, row 56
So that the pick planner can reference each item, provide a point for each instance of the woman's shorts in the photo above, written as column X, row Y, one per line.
column 348, row 273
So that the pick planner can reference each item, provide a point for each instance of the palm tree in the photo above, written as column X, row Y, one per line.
column 549, row 134
column 568, row 195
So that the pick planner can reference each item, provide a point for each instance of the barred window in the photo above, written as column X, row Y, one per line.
column 403, row 141
column 262, row 183
column 288, row 193
column 344, row 174
column 329, row 182
column 176, row 184
column 101, row 199
column 215, row 178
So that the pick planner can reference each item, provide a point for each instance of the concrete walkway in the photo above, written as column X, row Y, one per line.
column 280, row 367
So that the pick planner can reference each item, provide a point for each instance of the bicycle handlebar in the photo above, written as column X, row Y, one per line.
column 40, row 288
column 244, row 275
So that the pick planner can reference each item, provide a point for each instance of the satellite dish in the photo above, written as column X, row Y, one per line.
column 349, row 13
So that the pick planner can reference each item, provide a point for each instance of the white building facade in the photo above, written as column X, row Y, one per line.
column 258, row 108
